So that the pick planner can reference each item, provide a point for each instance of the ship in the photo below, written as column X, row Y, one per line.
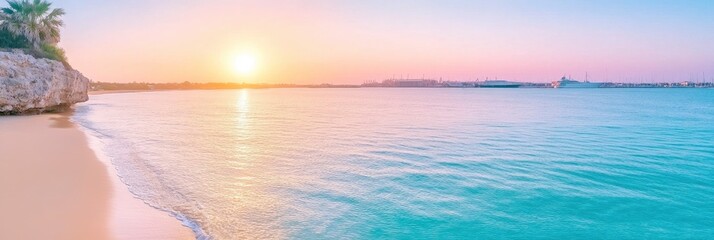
column 570, row 83
column 498, row 84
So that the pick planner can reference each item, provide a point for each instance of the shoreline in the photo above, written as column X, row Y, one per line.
column 102, row 92
column 56, row 186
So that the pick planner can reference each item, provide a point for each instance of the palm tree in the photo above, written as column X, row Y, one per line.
column 34, row 20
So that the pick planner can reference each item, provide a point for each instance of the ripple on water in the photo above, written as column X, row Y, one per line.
column 418, row 163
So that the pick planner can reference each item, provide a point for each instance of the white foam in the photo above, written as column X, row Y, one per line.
column 97, row 142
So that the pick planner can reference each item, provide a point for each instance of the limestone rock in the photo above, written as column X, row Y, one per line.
column 29, row 85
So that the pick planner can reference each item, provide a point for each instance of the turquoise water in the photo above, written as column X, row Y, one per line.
column 418, row 163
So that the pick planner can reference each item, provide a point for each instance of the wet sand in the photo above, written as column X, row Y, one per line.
column 53, row 186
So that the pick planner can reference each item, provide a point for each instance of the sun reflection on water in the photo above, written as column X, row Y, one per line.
column 249, row 192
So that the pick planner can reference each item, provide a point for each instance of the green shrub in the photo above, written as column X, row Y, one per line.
column 52, row 52
column 9, row 40
column 46, row 50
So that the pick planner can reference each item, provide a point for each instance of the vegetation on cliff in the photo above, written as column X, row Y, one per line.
column 34, row 27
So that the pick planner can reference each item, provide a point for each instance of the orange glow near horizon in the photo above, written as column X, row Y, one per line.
column 245, row 65
column 349, row 42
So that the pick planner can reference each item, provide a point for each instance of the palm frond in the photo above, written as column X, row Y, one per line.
column 35, row 20
column 8, row 10
column 41, row 8
column 15, row 5
column 56, row 13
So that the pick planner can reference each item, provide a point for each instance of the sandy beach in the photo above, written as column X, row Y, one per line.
column 53, row 186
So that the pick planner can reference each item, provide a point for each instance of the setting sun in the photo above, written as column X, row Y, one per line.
column 245, row 64
column 358, row 119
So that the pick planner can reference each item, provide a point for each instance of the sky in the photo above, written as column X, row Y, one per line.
column 349, row 42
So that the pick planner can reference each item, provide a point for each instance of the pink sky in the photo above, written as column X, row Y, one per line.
column 353, row 41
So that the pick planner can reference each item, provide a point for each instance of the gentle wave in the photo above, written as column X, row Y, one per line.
column 417, row 163
column 97, row 142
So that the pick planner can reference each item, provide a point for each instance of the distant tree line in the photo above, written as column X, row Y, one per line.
column 100, row 86
column 178, row 86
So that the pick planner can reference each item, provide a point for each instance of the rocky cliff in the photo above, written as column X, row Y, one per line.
column 29, row 85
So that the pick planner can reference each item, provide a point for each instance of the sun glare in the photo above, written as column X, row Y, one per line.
column 245, row 64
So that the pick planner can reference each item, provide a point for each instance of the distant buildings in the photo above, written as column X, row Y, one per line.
column 685, row 84
column 498, row 84
column 431, row 83
column 455, row 84
column 410, row 83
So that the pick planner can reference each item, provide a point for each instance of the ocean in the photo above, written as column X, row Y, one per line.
column 417, row 163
